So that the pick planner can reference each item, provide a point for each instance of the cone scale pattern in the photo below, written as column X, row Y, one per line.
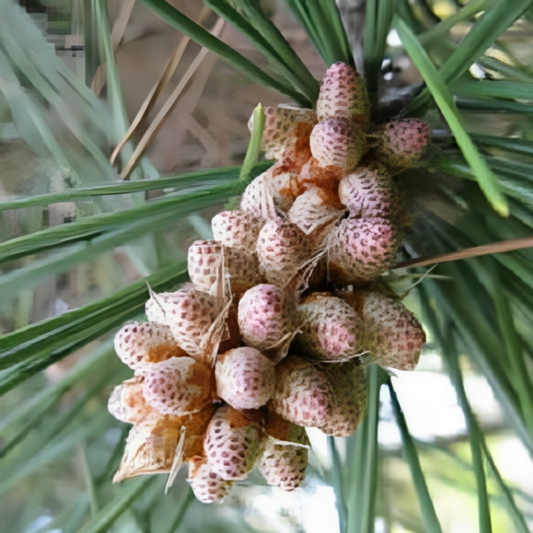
column 284, row 458
column 286, row 305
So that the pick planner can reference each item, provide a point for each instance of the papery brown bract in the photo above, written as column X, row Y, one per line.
column 279, row 122
column 178, row 386
column 127, row 402
column 138, row 342
column 151, row 444
column 270, row 193
column 312, row 211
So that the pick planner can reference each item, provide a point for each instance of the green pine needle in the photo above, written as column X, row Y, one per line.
column 429, row 516
column 254, row 146
column 186, row 26
column 436, row 85
column 250, row 20
column 121, row 503
column 323, row 24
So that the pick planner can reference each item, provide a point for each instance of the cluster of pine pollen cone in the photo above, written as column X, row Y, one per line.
column 285, row 309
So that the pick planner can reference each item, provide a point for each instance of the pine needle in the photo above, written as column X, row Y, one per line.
column 165, row 111
column 156, row 90
column 476, row 251
column 437, row 86
column 178, row 460
column 126, row 7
